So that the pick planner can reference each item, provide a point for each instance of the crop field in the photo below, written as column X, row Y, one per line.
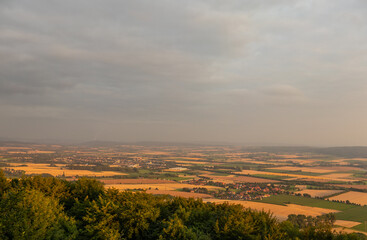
column 345, row 211
column 348, row 224
column 303, row 169
column 161, row 169
column 234, row 179
column 319, row 193
column 281, row 212
column 353, row 197
column 342, row 177
column 190, row 162
column 39, row 168
column 312, row 202
column 168, row 186
column 179, row 194
column 135, row 181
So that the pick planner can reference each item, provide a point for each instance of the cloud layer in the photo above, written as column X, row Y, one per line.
column 285, row 72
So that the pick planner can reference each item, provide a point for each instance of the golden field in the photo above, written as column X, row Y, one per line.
column 354, row 197
column 179, row 194
column 348, row 224
column 345, row 177
column 280, row 212
column 319, row 193
column 40, row 168
column 168, row 186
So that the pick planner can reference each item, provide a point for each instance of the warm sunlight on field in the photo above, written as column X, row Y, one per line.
column 38, row 168
column 281, row 212
column 353, row 197
column 180, row 194
column 168, row 186
column 319, row 193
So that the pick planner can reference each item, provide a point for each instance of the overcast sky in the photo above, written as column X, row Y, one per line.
column 259, row 71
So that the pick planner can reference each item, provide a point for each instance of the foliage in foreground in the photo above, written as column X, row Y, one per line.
column 50, row 208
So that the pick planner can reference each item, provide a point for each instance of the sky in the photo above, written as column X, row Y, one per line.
column 281, row 72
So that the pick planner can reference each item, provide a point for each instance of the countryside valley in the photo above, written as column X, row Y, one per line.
column 287, row 181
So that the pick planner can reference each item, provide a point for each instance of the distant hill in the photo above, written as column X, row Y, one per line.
column 348, row 152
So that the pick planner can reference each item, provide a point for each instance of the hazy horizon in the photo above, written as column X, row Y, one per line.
column 281, row 72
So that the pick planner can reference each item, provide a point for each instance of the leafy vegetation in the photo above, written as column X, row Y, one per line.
column 50, row 208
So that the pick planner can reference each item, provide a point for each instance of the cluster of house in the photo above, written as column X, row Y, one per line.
column 238, row 191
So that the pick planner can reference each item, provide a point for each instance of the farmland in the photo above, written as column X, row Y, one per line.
column 281, row 212
column 282, row 180
column 353, row 197
column 59, row 170
column 319, row 193
column 168, row 186
column 179, row 194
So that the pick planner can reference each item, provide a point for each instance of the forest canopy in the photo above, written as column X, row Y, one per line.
column 51, row 208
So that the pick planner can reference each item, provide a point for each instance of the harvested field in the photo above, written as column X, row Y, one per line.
column 347, row 230
column 191, row 162
column 234, row 179
column 135, row 181
column 38, row 152
column 348, row 224
column 38, row 168
column 303, row 169
column 346, row 177
column 319, row 193
column 353, row 197
column 168, row 186
column 280, row 212
column 176, row 169
column 12, row 148
column 180, row 194
column 339, row 176
column 341, row 168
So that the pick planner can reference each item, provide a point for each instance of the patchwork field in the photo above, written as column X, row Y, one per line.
column 191, row 162
column 354, row 197
column 135, row 181
column 169, row 186
column 195, row 166
column 280, row 212
column 179, row 194
column 39, row 168
column 319, row 193
column 344, row 177
column 348, row 224
column 234, row 179
column 303, row 169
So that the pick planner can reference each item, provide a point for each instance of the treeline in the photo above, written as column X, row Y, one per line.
column 51, row 208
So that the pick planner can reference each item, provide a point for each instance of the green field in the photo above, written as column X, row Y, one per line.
column 361, row 227
column 356, row 213
column 312, row 202
column 347, row 212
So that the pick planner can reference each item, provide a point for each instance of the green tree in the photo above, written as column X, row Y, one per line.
column 29, row 214
column 4, row 183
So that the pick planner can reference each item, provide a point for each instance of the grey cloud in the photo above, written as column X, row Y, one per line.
column 181, row 70
column 282, row 91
